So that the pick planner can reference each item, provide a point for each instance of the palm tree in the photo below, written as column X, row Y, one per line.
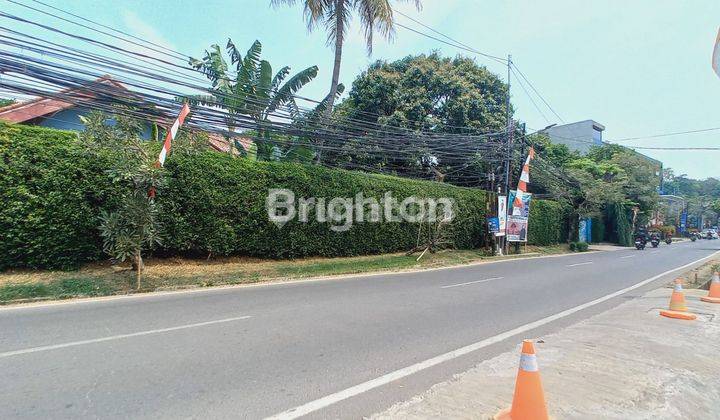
column 249, row 91
column 335, row 15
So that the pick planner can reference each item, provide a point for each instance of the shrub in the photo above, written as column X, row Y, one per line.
column 573, row 246
column 215, row 204
column 581, row 246
column 547, row 221
column 51, row 190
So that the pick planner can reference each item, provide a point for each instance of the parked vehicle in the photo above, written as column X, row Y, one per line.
column 654, row 241
column 668, row 240
column 693, row 236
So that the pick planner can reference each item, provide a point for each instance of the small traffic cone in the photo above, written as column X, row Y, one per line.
column 529, row 400
column 678, row 309
column 714, row 294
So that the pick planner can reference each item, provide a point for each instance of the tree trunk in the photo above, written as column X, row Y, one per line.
column 340, row 29
column 139, row 267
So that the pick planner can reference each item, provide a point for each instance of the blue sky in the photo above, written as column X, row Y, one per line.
column 639, row 67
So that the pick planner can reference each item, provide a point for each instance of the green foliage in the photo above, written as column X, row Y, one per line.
column 245, row 86
column 55, row 189
column 6, row 102
column 427, row 93
column 546, row 223
column 51, row 189
column 132, row 226
column 598, row 229
column 231, row 217
column 57, row 289
column 581, row 247
column 621, row 223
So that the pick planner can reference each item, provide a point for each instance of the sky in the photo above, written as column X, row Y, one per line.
column 639, row 67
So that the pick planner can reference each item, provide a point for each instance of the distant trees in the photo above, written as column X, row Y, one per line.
column 6, row 102
column 606, row 184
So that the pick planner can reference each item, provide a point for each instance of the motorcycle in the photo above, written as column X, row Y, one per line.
column 668, row 240
column 654, row 241
column 640, row 243
column 693, row 237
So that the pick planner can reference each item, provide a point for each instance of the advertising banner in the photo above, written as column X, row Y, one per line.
column 517, row 229
column 502, row 215
column 493, row 224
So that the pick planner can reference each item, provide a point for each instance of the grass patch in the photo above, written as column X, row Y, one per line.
column 174, row 273
column 62, row 288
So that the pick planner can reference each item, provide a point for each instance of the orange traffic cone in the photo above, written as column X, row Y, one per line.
column 529, row 399
column 678, row 309
column 714, row 294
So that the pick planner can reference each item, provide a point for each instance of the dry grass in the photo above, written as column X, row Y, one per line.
column 176, row 273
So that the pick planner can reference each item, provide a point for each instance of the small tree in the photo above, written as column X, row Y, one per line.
column 129, row 226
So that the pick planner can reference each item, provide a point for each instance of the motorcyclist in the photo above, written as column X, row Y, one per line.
column 642, row 236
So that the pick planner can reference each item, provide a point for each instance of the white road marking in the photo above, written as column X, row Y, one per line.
column 582, row 263
column 116, row 337
column 472, row 282
column 358, row 389
column 628, row 256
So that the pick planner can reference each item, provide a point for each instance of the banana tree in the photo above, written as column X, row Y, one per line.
column 247, row 90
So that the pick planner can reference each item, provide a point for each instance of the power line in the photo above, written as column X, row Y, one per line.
column 530, row 97
column 538, row 93
column 456, row 44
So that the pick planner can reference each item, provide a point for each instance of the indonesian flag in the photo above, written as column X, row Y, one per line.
column 716, row 55
column 172, row 133
column 522, row 184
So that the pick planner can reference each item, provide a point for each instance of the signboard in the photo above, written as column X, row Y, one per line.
column 493, row 224
column 683, row 221
column 517, row 229
column 518, row 223
column 525, row 198
column 502, row 215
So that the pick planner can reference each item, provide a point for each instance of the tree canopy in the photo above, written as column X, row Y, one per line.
column 429, row 92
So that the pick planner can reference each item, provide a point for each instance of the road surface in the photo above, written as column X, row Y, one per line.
column 330, row 348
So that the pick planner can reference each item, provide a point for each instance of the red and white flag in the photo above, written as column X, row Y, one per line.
column 522, row 184
column 172, row 133
column 716, row 55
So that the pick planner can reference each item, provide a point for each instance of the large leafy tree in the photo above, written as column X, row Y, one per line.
column 247, row 89
column 335, row 15
column 424, row 98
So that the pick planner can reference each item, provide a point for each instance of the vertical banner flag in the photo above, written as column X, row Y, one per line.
column 517, row 223
column 502, row 215
column 522, row 184
column 716, row 55
column 172, row 133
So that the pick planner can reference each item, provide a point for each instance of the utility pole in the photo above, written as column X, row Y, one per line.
column 508, row 128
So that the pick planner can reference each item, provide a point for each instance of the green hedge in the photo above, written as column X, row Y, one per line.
column 547, row 223
column 50, row 190
column 53, row 190
column 216, row 204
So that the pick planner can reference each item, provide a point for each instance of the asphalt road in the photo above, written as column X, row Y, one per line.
column 325, row 346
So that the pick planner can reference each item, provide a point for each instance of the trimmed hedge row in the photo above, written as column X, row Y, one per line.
column 547, row 223
column 52, row 192
column 216, row 204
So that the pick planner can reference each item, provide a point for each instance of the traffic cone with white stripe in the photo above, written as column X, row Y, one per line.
column 714, row 294
column 529, row 399
column 678, row 309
